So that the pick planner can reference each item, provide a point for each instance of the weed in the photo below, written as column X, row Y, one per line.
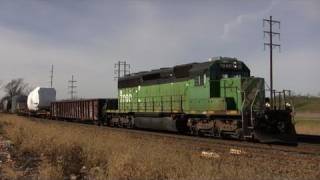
column 89, row 152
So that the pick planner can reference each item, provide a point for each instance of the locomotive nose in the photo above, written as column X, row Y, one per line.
column 285, row 139
column 276, row 127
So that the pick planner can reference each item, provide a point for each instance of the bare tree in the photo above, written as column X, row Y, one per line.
column 28, row 89
column 16, row 87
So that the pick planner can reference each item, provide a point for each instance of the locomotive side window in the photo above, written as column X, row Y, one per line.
column 200, row 80
column 196, row 81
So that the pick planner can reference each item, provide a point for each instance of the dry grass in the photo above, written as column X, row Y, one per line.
column 311, row 127
column 307, row 114
column 306, row 104
column 97, row 153
column 308, row 123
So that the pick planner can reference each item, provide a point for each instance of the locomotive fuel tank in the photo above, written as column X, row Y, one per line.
column 161, row 122
column 156, row 123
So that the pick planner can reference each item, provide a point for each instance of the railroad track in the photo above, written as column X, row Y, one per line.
column 205, row 143
column 310, row 139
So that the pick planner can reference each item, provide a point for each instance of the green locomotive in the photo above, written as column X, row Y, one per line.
column 214, row 98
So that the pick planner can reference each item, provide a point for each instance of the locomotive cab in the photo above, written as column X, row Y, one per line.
column 246, row 113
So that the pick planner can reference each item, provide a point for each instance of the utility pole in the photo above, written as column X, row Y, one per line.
column 270, row 44
column 72, row 87
column 122, row 68
column 51, row 77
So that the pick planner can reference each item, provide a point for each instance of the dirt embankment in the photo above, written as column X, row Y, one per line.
column 72, row 151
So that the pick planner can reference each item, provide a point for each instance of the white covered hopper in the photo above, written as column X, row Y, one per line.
column 41, row 98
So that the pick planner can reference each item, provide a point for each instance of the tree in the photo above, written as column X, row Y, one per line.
column 16, row 87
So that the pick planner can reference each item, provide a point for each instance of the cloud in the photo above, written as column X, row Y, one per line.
column 245, row 18
column 86, row 40
column 23, row 56
column 310, row 8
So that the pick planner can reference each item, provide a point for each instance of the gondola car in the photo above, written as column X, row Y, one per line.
column 82, row 110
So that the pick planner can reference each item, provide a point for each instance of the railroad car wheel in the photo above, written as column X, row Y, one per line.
column 95, row 123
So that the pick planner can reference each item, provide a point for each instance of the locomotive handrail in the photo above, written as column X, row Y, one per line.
column 145, row 104
column 280, row 99
column 242, row 116
column 251, row 107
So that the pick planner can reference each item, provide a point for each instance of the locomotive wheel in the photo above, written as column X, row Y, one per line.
column 130, row 124
column 220, row 134
column 131, row 121
column 194, row 131
column 239, row 134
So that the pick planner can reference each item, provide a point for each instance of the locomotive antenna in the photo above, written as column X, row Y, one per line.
column 271, row 45
column 122, row 68
column 72, row 87
column 51, row 77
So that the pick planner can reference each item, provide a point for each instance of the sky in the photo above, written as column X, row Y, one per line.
column 85, row 38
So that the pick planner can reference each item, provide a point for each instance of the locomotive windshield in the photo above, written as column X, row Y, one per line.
column 229, row 69
column 230, row 74
column 234, row 69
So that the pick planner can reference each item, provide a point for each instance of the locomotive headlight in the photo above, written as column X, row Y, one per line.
column 267, row 105
column 235, row 65
column 288, row 105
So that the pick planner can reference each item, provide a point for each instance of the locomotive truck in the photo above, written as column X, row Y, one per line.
column 215, row 98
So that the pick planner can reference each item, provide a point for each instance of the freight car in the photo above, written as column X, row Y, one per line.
column 16, row 104
column 39, row 101
column 6, row 105
column 84, row 110
column 215, row 98
column 19, row 104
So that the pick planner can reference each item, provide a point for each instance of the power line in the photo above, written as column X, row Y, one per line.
column 122, row 68
column 72, row 87
column 271, row 45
